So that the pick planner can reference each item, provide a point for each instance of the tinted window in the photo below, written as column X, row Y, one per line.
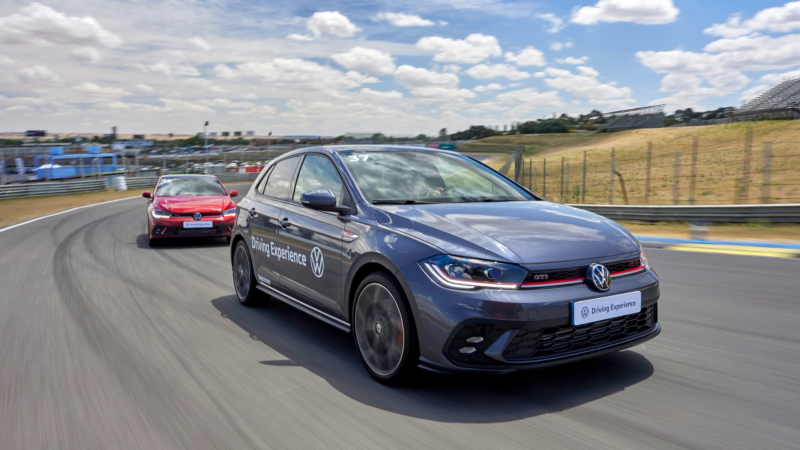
column 263, row 182
column 318, row 172
column 190, row 187
column 280, row 180
column 427, row 177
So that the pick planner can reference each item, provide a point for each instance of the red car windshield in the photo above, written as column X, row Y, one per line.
column 190, row 187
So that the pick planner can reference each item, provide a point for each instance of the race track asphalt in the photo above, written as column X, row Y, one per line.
column 106, row 343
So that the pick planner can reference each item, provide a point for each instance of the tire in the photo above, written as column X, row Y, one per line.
column 153, row 242
column 383, row 330
column 244, row 282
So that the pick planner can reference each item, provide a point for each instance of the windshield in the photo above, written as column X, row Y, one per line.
column 427, row 177
column 190, row 187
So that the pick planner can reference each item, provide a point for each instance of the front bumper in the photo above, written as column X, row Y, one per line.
column 173, row 227
column 522, row 329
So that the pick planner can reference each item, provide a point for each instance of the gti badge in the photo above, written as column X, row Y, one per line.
column 197, row 216
column 599, row 276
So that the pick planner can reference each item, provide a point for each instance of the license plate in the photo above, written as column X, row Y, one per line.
column 588, row 311
column 198, row 224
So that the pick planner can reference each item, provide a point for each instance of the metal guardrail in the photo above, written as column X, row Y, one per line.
column 228, row 177
column 141, row 182
column 786, row 213
column 51, row 188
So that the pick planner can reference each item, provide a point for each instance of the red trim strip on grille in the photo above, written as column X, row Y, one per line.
column 624, row 272
column 551, row 283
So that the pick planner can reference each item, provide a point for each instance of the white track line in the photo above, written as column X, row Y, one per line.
column 64, row 212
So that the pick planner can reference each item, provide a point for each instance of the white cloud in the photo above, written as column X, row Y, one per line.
column 489, row 87
column 163, row 68
column 87, row 55
column 381, row 95
column 531, row 98
column 403, row 20
column 297, row 72
column 557, row 46
column 332, row 23
column 225, row 72
column 585, row 84
column 41, row 24
column 200, row 43
column 300, row 37
column 38, row 74
column 94, row 91
column 573, row 61
column 484, row 71
column 475, row 48
column 650, row 12
column 417, row 77
column 144, row 88
column 7, row 61
column 527, row 57
column 173, row 105
column 556, row 23
column 441, row 93
column 366, row 60
column 742, row 53
column 779, row 19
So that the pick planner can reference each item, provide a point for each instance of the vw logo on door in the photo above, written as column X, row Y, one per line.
column 197, row 216
column 599, row 276
column 317, row 262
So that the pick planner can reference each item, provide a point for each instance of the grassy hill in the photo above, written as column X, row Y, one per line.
column 721, row 174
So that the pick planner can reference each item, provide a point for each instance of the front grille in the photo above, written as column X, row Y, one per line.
column 531, row 343
column 577, row 274
column 209, row 214
column 180, row 231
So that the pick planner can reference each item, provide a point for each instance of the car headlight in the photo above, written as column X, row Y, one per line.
column 465, row 273
column 643, row 259
column 229, row 212
column 161, row 214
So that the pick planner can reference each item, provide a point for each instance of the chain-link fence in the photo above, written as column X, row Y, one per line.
column 693, row 174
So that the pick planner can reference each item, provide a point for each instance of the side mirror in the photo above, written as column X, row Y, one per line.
column 234, row 193
column 146, row 194
column 323, row 200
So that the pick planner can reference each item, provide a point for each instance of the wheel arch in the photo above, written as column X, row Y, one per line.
column 370, row 263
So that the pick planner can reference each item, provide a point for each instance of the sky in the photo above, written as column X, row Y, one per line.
column 396, row 67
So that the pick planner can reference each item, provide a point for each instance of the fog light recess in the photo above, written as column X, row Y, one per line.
column 474, row 340
column 466, row 350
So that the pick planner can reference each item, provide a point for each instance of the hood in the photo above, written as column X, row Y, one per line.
column 519, row 232
column 189, row 205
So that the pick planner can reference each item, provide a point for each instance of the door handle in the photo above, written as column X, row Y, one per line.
column 285, row 222
column 252, row 211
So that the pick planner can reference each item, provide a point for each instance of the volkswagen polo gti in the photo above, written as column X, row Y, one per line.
column 432, row 259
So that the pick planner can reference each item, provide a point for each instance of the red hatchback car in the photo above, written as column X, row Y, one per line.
column 189, row 206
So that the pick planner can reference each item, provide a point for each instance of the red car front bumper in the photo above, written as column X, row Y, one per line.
column 173, row 227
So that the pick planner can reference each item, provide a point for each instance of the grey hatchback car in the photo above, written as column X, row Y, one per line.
column 434, row 260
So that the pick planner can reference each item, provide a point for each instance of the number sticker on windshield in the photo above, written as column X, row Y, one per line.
column 355, row 158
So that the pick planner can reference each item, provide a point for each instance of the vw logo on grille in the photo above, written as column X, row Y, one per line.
column 600, row 277
column 585, row 312
column 317, row 262
column 197, row 216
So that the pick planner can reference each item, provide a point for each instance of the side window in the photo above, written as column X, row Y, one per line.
column 263, row 182
column 280, row 179
column 318, row 172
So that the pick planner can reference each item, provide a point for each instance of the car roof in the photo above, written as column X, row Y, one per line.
column 366, row 147
column 189, row 175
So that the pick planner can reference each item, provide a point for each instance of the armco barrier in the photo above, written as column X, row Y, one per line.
column 141, row 182
column 51, row 188
column 787, row 213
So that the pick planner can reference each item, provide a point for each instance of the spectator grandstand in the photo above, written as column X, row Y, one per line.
column 781, row 101
column 631, row 119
